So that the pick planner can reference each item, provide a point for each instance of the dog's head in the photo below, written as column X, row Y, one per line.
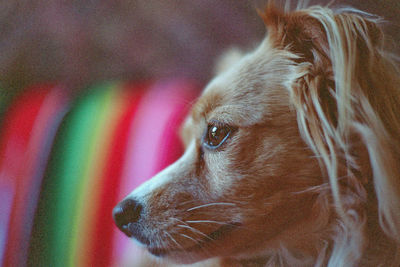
column 265, row 145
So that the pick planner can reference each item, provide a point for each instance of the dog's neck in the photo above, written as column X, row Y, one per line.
column 387, row 254
column 300, row 245
column 312, row 243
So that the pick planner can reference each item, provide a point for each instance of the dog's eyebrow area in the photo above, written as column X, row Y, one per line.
column 215, row 107
column 235, row 109
column 225, row 103
column 250, row 92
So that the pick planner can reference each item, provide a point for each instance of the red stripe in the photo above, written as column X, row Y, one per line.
column 20, row 120
column 101, row 250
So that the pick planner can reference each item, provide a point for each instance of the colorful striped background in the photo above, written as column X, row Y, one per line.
column 65, row 163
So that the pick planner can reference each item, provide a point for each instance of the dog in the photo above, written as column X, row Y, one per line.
column 292, row 154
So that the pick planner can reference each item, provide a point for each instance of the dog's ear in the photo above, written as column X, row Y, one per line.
column 336, row 54
column 305, row 37
column 304, row 33
column 311, row 91
column 345, row 93
column 295, row 31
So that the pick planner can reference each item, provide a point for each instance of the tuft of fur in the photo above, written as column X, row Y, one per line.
column 227, row 59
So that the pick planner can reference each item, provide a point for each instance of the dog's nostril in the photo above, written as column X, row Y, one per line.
column 126, row 212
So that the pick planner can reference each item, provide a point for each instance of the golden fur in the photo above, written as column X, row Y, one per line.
column 310, row 174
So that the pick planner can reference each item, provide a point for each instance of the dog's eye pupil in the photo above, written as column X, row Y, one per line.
column 216, row 135
column 214, row 131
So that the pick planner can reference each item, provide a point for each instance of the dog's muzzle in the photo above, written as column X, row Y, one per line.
column 126, row 216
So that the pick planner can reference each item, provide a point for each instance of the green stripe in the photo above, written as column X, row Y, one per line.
column 57, row 209
column 96, row 148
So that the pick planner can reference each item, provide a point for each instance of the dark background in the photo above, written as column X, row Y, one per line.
column 78, row 42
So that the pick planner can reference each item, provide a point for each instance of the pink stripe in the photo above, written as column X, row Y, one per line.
column 147, row 139
column 171, row 147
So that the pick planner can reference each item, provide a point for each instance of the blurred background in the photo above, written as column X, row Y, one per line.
column 80, row 82
column 80, row 42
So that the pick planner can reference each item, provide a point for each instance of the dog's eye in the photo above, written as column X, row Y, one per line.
column 216, row 135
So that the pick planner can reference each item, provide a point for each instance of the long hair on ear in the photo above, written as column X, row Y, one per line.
column 346, row 93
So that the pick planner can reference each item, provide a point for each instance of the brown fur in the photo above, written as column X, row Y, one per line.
column 310, row 175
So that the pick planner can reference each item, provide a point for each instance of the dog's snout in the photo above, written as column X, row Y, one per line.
column 126, row 213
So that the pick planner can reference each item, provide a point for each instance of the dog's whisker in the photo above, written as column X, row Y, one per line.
column 210, row 221
column 212, row 204
column 191, row 238
column 185, row 203
column 174, row 240
column 195, row 231
column 197, row 242
column 176, row 219
column 221, row 223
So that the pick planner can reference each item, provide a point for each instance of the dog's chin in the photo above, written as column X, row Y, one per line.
column 205, row 248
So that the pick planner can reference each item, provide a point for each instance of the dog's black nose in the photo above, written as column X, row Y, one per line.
column 126, row 213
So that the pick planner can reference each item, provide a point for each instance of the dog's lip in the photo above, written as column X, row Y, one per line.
column 159, row 252
column 212, row 237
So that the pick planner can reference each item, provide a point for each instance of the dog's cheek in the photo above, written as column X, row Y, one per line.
column 217, row 173
column 269, row 162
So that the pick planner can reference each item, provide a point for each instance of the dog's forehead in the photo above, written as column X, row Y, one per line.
column 247, row 92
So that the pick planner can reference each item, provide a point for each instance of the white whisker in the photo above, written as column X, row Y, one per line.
column 191, row 238
column 212, row 204
column 194, row 230
column 222, row 223
column 174, row 240
column 209, row 221
column 180, row 221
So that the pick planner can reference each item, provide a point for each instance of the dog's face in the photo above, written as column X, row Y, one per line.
column 238, row 186
column 248, row 186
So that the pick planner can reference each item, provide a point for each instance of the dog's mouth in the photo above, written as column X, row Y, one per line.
column 214, row 236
